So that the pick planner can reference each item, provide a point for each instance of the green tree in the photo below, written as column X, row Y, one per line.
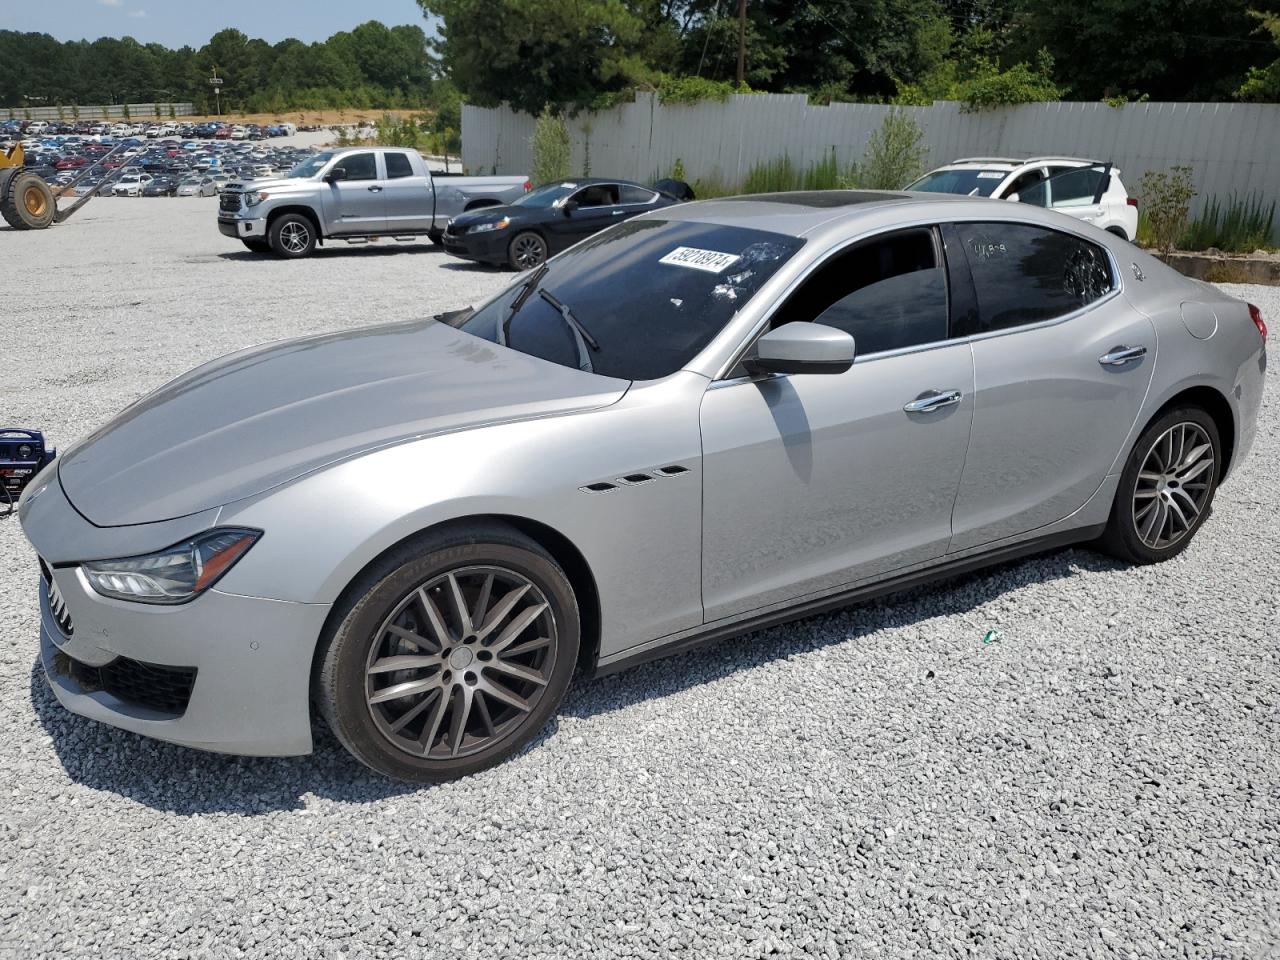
column 1166, row 200
column 1263, row 83
column 895, row 153
column 534, row 52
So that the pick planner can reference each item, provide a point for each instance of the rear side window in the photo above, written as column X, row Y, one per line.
column 1024, row 274
column 398, row 166
column 632, row 194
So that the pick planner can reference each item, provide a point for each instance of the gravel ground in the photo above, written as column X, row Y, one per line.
column 1104, row 781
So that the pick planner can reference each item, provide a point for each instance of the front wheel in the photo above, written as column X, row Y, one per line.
column 1166, row 489
column 526, row 251
column 292, row 235
column 455, row 651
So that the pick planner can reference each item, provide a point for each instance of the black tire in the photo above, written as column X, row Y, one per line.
column 526, row 250
column 436, row 237
column 1128, row 535
column 292, row 236
column 387, row 598
column 258, row 246
column 27, row 202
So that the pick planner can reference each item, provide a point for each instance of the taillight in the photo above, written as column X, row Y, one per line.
column 1256, row 316
column 1132, row 201
column 528, row 185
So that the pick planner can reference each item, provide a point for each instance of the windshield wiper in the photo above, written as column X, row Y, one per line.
column 570, row 319
column 525, row 293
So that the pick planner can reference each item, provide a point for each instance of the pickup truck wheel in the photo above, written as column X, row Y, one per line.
column 526, row 251
column 292, row 236
column 436, row 237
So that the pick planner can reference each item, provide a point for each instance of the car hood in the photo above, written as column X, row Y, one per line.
column 264, row 416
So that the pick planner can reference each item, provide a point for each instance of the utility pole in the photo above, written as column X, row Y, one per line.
column 742, row 42
column 216, row 82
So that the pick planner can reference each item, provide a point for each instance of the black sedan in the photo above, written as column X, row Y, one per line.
column 548, row 219
column 161, row 187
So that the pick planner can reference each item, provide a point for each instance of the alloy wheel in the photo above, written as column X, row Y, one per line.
column 529, row 251
column 1173, row 485
column 460, row 662
column 295, row 237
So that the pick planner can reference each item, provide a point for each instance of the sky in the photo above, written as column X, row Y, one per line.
column 176, row 23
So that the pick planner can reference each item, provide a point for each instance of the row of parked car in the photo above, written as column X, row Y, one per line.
column 209, row 130
column 167, row 167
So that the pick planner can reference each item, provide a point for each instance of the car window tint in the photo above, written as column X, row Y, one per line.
column 597, row 195
column 633, row 194
column 1024, row 274
column 359, row 166
column 685, row 281
column 887, row 293
column 1027, row 187
column 1075, row 186
column 398, row 166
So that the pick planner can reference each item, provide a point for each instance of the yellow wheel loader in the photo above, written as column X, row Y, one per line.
column 27, row 202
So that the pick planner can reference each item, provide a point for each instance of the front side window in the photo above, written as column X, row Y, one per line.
column 1025, row 274
column 359, row 166
column 887, row 293
column 651, row 294
column 597, row 195
column 398, row 166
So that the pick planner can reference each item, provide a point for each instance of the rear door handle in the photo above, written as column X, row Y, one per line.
column 1119, row 356
column 375, row 189
column 933, row 400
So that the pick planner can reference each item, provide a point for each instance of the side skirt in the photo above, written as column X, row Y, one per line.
column 716, row 632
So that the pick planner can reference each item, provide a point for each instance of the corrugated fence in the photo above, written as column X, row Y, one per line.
column 113, row 111
column 1230, row 146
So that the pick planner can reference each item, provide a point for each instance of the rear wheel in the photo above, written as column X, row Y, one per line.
column 526, row 251
column 27, row 203
column 292, row 235
column 454, row 653
column 1166, row 489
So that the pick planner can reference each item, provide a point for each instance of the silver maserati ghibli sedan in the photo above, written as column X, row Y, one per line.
column 707, row 419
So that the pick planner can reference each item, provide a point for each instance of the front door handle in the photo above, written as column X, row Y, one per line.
column 1119, row 356
column 933, row 400
column 375, row 189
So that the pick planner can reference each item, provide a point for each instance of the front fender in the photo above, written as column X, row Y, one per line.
column 641, row 538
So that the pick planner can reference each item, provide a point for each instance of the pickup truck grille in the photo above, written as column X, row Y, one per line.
column 230, row 202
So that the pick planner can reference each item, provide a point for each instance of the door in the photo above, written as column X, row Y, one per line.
column 355, row 204
column 1061, row 368
column 410, row 202
column 814, row 481
column 583, row 213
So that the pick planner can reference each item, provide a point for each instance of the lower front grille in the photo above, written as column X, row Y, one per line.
column 163, row 689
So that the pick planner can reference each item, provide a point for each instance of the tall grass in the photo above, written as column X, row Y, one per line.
column 1242, row 225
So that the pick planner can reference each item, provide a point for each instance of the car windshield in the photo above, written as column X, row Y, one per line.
column 545, row 196
column 969, row 183
column 684, row 282
column 311, row 166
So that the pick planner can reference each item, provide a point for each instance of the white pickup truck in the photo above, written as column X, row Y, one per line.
column 355, row 194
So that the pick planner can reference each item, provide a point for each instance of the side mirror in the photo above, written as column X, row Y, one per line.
column 569, row 207
column 336, row 174
column 801, row 347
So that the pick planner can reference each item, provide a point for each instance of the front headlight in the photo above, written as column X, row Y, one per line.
column 174, row 575
column 254, row 197
column 496, row 225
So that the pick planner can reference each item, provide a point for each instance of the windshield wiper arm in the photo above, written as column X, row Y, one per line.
column 570, row 319
column 526, row 291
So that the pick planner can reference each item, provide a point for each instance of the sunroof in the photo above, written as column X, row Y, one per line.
column 823, row 198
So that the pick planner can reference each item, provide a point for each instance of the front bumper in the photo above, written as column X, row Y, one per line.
column 240, row 228
column 490, row 247
column 251, row 660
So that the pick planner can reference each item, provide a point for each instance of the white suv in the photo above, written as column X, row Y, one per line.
column 1066, row 184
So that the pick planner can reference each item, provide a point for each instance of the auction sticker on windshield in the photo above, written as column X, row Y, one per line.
column 712, row 261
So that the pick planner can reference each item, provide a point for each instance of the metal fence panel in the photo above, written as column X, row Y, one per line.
column 1232, row 147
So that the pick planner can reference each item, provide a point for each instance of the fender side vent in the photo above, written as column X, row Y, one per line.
column 672, row 471
column 636, row 478
column 599, row 487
